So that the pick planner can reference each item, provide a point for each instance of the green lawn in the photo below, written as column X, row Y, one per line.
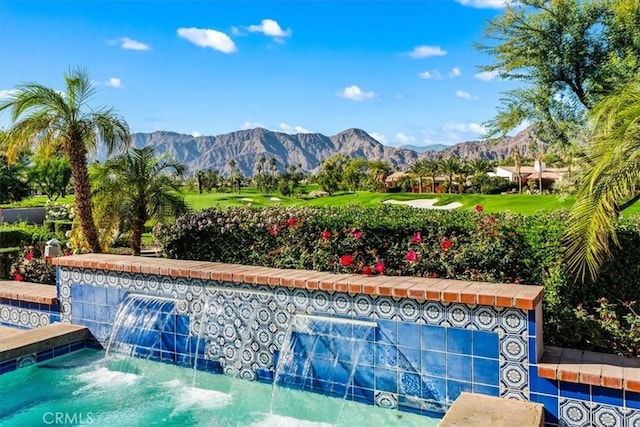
column 519, row 203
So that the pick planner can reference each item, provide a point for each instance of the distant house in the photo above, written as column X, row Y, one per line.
column 393, row 179
column 528, row 172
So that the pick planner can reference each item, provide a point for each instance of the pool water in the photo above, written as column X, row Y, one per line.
column 84, row 388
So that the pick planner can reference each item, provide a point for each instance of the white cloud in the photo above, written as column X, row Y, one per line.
column 8, row 93
column 129, row 44
column 270, row 28
column 424, row 51
column 114, row 82
column 455, row 72
column 379, row 137
column 204, row 37
column 465, row 95
column 251, row 125
column 236, row 31
column 405, row 139
column 465, row 128
column 286, row 128
column 430, row 75
column 487, row 76
column 484, row 4
column 354, row 93
column 195, row 134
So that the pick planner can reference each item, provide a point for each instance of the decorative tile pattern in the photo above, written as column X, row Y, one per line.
column 419, row 359
column 27, row 315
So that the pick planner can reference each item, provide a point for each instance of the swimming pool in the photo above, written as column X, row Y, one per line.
column 84, row 388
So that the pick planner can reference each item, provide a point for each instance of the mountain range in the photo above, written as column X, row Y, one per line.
column 309, row 149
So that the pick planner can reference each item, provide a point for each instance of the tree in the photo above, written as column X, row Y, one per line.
column 451, row 166
column 50, row 175
column 568, row 53
column 13, row 186
column 354, row 173
column 611, row 182
column 137, row 187
column 418, row 169
column 481, row 166
column 50, row 120
column 331, row 170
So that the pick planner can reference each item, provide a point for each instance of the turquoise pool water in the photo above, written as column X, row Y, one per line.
column 83, row 388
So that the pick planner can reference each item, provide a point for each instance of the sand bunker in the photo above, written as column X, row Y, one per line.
column 424, row 204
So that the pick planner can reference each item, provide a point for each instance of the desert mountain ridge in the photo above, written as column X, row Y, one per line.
column 245, row 147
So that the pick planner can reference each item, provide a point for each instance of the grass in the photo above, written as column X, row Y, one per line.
column 525, row 204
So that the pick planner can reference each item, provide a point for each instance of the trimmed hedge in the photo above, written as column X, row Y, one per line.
column 395, row 240
column 59, row 227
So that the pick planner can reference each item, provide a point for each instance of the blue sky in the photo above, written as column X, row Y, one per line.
column 404, row 71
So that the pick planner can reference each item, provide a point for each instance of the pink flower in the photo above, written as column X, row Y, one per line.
column 29, row 256
column 479, row 208
column 346, row 260
column 417, row 238
column 367, row 271
column 325, row 235
column 357, row 234
column 411, row 256
column 17, row 276
column 446, row 244
column 434, row 275
column 379, row 267
column 291, row 221
column 274, row 230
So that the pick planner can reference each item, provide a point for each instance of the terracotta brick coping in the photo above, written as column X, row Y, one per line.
column 492, row 294
column 29, row 292
column 588, row 367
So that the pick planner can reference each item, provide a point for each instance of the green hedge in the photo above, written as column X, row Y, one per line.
column 58, row 227
column 11, row 237
column 446, row 244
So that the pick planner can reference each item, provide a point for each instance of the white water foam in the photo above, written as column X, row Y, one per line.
column 186, row 397
column 105, row 378
column 274, row 420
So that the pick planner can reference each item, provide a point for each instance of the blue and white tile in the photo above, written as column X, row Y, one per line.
column 514, row 376
column 632, row 418
column 409, row 311
column 485, row 318
column 385, row 308
column 607, row 416
column 386, row 400
column 513, row 348
column 513, row 321
column 574, row 413
column 459, row 316
column 434, row 313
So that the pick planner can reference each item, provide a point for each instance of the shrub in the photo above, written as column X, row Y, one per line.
column 463, row 245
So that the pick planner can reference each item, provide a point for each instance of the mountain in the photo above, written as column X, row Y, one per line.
column 425, row 148
column 305, row 149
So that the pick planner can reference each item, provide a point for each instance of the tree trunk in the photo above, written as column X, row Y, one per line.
column 77, row 154
column 138, row 228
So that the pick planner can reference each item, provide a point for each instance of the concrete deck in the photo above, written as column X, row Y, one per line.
column 476, row 410
column 30, row 292
column 22, row 343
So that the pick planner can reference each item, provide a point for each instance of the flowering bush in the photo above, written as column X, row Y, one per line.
column 394, row 240
column 58, row 212
column 31, row 267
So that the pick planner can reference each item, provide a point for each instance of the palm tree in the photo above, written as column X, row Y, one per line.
column 517, row 157
column 610, row 182
column 481, row 166
column 418, row 169
column 451, row 166
column 47, row 120
column 431, row 168
column 137, row 187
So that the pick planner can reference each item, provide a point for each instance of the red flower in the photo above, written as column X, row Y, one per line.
column 346, row 260
column 417, row 238
column 325, row 235
column 17, row 276
column 357, row 234
column 29, row 256
column 291, row 221
column 67, row 253
column 434, row 275
column 367, row 270
column 379, row 267
column 479, row 208
column 274, row 230
column 411, row 256
column 446, row 244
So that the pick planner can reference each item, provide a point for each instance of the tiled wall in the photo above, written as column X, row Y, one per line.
column 419, row 357
column 574, row 404
column 27, row 315
column 42, row 356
